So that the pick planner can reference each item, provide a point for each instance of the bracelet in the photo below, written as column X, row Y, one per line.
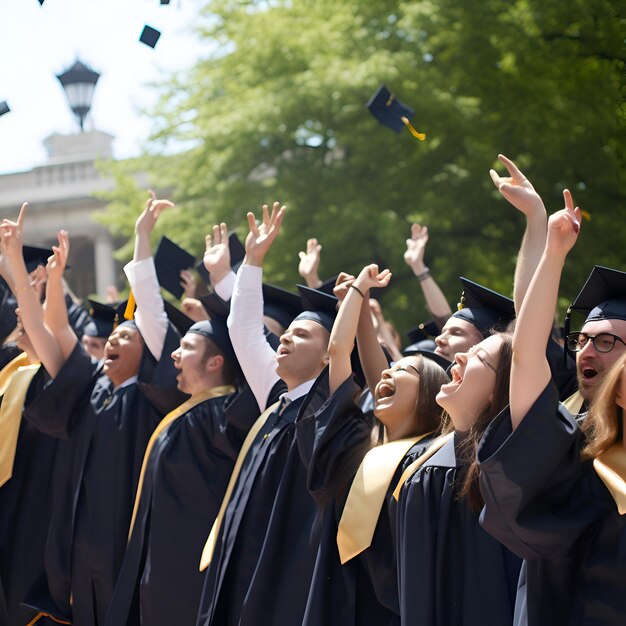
column 424, row 275
column 353, row 286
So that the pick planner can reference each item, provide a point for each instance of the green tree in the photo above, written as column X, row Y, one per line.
column 277, row 112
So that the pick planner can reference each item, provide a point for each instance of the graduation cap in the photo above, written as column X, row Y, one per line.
column 391, row 112
column 423, row 332
column 179, row 320
column 149, row 36
column 165, row 1
column 169, row 261
column 318, row 307
column 214, row 305
column 603, row 296
column 104, row 318
column 34, row 256
column 329, row 284
column 237, row 254
column 281, row 305
column 4, row 107
column 484, row 308
column 216, row 331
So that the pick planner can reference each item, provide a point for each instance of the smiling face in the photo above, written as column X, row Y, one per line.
column 591, row 365
column 473, row 383
column 456, row 336
column 303, row 352
column 122, row 354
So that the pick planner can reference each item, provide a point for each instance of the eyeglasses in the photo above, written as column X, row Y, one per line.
column 604, row 342
column 474, row 352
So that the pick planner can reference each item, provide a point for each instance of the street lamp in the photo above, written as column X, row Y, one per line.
column 78, row 82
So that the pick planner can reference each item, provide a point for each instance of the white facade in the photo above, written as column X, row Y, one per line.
column 60, row 195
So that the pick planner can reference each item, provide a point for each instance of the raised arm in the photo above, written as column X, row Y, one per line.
column 216, row 260
column 150, row 316
column 530, row 372
column 518, row 190
column 245, row 322
column 31, row 312
column 414, row 258
column 55, row 314
column 355, row 316
column 309, row 264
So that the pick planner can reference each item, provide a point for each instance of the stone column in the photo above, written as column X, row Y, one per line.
column 104, row 262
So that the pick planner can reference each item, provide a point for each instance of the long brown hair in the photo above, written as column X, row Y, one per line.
column 428, row 413
column 604, row 423
column 500, row 399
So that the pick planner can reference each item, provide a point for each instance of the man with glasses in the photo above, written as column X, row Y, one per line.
column 602, row 339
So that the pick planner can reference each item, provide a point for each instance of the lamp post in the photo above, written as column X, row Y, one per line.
column 79, row 82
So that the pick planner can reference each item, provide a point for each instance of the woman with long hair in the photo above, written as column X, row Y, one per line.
column 351, row 471
column 555, row 495
column 450, row 571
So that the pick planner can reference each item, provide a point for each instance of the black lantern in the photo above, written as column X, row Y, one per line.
column 78, row 82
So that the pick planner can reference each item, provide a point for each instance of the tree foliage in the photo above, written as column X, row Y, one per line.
column 277, row 111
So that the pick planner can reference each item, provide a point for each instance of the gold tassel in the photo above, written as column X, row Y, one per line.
column 129, row 311
column 415, row 133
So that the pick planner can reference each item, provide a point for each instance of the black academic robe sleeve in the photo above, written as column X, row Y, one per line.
column 533, row 482
column 55, row 410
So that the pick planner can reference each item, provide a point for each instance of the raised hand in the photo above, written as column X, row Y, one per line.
column 149, row 216
column 194, row 310
column 415, row 248
column 11, row 236
column 216, row 257
column 58, row 260
column 517, row 189
column 261, row 237
column 310, row 262
column 188, row 283
column 370, row 277
column 563, row 228
column 342, row 284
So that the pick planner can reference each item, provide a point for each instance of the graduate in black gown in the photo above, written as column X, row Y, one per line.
column 261, row 550
column 450, row 571
column 554, row 495
column 105, row 418
column 185, row 470
column 355, row 580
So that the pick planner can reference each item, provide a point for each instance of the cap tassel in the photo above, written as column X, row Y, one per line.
column 461, row 305
column 566, row 329
column 415, row 133
column 129, row 311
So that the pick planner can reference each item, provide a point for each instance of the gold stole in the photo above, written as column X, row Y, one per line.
column 411, row 469
column 211, row 542
column 195, row 400
column 574, row 403
column 367, row 494
column 15, row 380
column 611, row 468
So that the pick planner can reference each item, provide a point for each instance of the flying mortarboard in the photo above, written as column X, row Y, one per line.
column 4, row 107
column 237, row 254
column 391, row 112
column 34, row 256
column 484, row 308
column 169, row 261
column 149, row 36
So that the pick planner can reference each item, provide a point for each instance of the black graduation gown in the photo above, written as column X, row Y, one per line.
column 25, row 506
column 555, row 513
column 184, row 483
column 363, row 591
column 450, row 571
column 265, row 552
column 106, row 432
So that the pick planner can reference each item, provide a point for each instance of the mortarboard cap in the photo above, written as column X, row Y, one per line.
column 179, row 320
column 318, row 306
column 149, row 36
column 484, row 308
column 329, row 284
column 281, row 305
column 165, row 1
column 104, row 318
column 391, row 112
column 214, row 305
column 603, row 296
column 424, row 331
column 4, row 107
column 428, row 352
column 34, row 256
column 237, row 254
column 169, row 261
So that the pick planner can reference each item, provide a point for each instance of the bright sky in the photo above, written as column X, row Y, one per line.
column 39, row 42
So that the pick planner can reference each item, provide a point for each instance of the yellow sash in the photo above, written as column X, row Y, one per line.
column 214, row 392
column 611, row 468
column 15, row 387
column 54, row 619
column 367, row 494
column 411, row 469
column 574, row 403
column 211, row 542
